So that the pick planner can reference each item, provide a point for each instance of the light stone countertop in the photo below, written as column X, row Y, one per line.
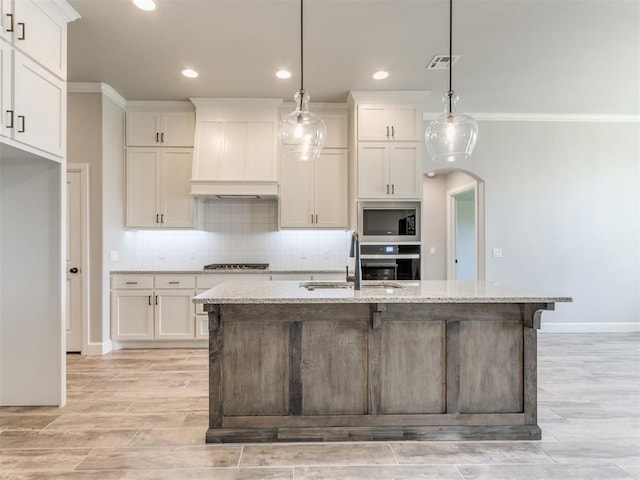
column 223, row 271
column 425, row 291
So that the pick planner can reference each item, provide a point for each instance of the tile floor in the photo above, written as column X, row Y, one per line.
column 142, row 414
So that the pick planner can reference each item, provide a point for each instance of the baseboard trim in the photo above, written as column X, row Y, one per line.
column 600, row 327
column 98, row 348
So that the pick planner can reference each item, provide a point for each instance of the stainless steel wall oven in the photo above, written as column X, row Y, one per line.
column 390, row 262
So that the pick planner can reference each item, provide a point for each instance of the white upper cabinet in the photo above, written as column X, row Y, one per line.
column 38, row 28
column 313, row 194
column 378, row 122
column 39, row 98
column 160, row 129
column 157, row 188
column 389, row 171
column 33, row 93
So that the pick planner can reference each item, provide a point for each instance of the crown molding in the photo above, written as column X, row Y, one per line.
column 97, row 87
column 547, row 117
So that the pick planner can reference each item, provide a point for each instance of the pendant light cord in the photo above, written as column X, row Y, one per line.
column 450, row 93
column 301, row 47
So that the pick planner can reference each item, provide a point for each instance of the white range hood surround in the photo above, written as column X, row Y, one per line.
column 235, row 150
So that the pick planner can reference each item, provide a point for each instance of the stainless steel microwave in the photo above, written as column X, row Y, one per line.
column 397, row 222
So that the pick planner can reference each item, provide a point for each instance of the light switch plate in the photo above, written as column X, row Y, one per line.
column 497, row 253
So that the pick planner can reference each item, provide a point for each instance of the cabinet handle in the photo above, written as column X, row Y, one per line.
column 387, row 131
column 24, row 31
column 162, row 218
column 316, row 218
column 393, row 132
column 10, row 15
column 157, row 137
column 162, row 137
column 174, row 283
column 387, row 189
column 312, row 218
column 132, row 283
column 21, row 130
column 10, row 122
column 149, row 299
column 157, row 218
column 156, row 299
column 393, row 189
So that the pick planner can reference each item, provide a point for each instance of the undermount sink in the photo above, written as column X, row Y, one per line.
column 365, row 284
column 316, row 285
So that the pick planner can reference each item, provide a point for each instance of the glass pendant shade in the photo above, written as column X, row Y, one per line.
column 302, row 133
column 452, row 136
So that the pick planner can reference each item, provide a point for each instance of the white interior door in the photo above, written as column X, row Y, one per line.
column 76, row 256
column 462, row 234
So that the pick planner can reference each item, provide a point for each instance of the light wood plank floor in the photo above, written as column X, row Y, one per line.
column 142, row 414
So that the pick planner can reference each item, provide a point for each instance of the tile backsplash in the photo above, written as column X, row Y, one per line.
column 236, row 231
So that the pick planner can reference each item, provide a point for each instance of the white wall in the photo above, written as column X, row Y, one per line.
column 562, row 203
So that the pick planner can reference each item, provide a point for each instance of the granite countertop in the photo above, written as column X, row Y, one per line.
column 425, row 291
column 208, row 272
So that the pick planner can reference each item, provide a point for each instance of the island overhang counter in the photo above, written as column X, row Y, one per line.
column 426, row 360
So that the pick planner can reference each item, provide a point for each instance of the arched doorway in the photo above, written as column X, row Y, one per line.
column 453, row 226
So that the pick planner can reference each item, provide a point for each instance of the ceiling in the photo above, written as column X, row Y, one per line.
column 517, row 56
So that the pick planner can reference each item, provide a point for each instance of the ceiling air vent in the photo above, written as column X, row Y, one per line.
column 441, row 62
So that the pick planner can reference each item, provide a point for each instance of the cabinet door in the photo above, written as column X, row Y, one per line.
column 40, row 36
column 404, row 170
column 176, row 129
column 296, row 193
column 174, row 315
column 39, row 101
column 331, row 189
column 405, row 122
column 132, row 315
column 6, row 74
column 6, row 22
column 143, row 129
column 176, row 204
column 373, row 122
column 373, row 170
column 141, row 191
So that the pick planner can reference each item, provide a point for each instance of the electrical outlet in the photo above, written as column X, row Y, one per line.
column 114, row 255
column 432, row 251
column 497, row 253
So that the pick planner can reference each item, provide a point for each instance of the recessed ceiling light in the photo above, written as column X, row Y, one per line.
column 147, row 5
column 380, row 75
column 187, row 72
column 284, row 74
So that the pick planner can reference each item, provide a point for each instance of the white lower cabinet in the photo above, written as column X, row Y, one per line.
column 148, row 307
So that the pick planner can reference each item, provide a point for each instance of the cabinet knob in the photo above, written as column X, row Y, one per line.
column 73, row 270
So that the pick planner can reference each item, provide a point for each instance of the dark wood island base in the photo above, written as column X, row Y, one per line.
column 302, row 372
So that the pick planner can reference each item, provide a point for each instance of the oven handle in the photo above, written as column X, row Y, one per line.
column 399, row 256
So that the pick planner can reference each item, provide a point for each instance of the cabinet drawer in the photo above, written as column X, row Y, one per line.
column 131, row 281
column 175, row 281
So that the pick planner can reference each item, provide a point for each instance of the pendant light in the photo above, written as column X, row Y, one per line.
column 301, row 132
column 452, row 136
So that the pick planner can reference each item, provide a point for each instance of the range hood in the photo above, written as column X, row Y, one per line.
column 235, row 149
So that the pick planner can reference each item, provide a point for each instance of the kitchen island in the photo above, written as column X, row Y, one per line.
column 426, row 360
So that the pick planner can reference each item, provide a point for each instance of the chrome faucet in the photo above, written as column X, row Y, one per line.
column 355, row 253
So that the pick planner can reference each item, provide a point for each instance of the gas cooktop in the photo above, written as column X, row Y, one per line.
column 236, row 266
